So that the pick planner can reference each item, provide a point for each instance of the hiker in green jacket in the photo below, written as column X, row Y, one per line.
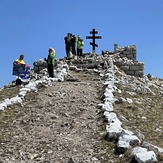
column 51, row 61
column 80, row 44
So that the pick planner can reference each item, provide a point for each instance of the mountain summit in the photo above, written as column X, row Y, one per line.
column 91, row 111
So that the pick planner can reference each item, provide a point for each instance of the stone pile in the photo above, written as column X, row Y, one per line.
column 39, row 65
column 128, row 51
column 40, row 69
column 125, row 59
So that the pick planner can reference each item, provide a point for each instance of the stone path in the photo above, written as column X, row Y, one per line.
column 57, row 123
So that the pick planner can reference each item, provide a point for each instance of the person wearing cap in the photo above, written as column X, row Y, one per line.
column 51, row 61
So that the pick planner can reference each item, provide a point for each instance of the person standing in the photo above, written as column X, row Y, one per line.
column 68, row 44
column 80, row 44
column 73, row 45
column 50, row 62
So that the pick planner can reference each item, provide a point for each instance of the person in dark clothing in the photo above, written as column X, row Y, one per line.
column 73, row 45
column 50, row 62
column 68, row 44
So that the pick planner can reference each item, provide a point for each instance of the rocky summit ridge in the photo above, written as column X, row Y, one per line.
column 101, row 109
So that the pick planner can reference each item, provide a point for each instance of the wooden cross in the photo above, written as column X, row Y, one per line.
column 93, row 37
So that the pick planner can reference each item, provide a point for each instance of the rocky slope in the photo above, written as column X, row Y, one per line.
column 62, row 122
column 56, row 123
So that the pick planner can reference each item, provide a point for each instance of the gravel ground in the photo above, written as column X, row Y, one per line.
column 56, row 124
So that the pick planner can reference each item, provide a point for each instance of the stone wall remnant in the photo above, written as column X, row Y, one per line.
column 124, row 58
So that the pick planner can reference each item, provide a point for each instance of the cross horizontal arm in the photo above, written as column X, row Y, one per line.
column 95, row 45
column 95, row 37
column 93, row 32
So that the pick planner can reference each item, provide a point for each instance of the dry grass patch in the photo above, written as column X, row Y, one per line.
column 145, row 116
column 9, row 92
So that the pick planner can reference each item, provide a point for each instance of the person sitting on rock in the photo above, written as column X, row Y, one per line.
column 22, row 72
column 20, row 60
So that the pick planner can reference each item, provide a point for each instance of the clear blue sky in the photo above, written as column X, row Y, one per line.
column 30, row 27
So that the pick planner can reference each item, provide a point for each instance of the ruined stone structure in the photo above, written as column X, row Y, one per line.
column 128, row 51
column 124, row 58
